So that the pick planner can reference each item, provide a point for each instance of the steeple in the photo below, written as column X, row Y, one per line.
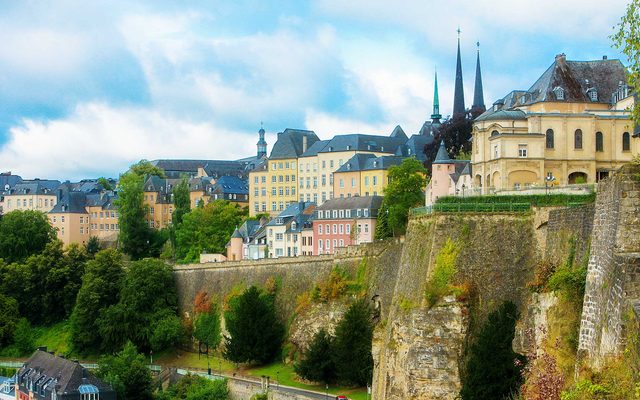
column 442, row 157
column 478, row 106
column 458, row 96
column 262, row 144
column 435, row 117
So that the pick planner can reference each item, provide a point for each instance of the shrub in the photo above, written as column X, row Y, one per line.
column 168, row 332
column 333, row 287
column 439, row 284
column 494, row 370
column 556, row 199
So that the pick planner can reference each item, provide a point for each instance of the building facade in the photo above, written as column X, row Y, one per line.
column 364, row 175
column 572, row 126
column 344, row 222
column 448, row 177
column 284, row 232
column 38, row 194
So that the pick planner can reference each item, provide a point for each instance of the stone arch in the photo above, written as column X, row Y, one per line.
column 478, row 180
column 577, row 177
column 523, row 178
column 496, row 179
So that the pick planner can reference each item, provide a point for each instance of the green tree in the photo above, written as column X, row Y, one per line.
column 625, row 39
column 148, row 295
column 168, row 332
column 92, row 246
column 127, row 373
column 494, row 370
column 207, row 327
column 208, row 228
column 382, row 225
column 24, row 233
column 317, row 363
column 9, row 317
column 456, row 133
column 105, row 183
column 352, row 345
column 23, row 337
column 404, row 191
column 255, row 332
column 181, row 201
column 135, row 235
column 144, row 168
column 100, row 289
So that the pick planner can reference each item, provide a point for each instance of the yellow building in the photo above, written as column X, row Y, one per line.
column 273, row 184
column 572, row 126
column 158, row 201
column 364, row 175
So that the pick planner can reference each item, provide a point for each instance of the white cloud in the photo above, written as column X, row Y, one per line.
column 97, row 139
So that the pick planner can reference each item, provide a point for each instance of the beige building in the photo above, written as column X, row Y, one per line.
column 284, row 232
column 38, row 194
column 364, row 175
column 572, row 126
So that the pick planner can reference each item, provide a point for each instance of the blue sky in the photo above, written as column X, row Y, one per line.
column 87, row 88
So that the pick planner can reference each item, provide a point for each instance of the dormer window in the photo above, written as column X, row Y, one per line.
column 593, row 94
column 495, row 133
column 294, row 225
column 348, row 147
column 559, row 93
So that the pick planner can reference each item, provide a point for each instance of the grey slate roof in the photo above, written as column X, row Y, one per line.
column 493, row 115
column 290, row 143
column 231, row 184
column 576, row 77
column 59, row 374
column 6, row 179
column 442, row 157
column 351, row 203
column 415, row 147
column 215, row 168
column 315, row 148
column 71, row 203
column 369, row 162
column 398, row 133
column 462, row 167
column 361, row 142
column 36, row 186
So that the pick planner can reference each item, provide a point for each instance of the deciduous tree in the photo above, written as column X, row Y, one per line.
column 24, row 233
column 127, row 373
column 405, row 190
column 9, row 317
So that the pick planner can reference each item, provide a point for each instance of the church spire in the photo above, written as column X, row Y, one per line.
column 458, row 96
column 478, row 106
column 435, row 117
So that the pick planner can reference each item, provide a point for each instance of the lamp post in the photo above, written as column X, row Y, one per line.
column 548, row 180
column 151, row 354
column 326, row 390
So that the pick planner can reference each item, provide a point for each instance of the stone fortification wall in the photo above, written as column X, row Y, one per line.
column 565, row 224
column 294, row 275
column 613, row 278
column 418, row 350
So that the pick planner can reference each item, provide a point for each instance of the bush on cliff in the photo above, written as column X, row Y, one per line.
column 494, row 370
column 439, row 284
column 255, row 331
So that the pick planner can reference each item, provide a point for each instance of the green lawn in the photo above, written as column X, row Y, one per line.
column 277, row 371
column 54, row 337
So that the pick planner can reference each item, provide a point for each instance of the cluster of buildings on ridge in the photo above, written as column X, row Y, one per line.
column 572, row 126
column 45, row 376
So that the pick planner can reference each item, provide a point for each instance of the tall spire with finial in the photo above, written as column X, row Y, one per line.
column 435, row 117
column 458, row 95
column 262, row 144
column 478, row 106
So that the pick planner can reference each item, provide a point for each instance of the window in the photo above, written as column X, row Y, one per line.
column 358, row 212
column 341, row 213
column 255, row 180
column 280, row 192
column 341, row 183
column 273, row 206
column 335, row 213
column 348, row 213
column 341, row 243
column 327, row 244
column 626, row 142
column 273, row 191
column 495, row 133
column 263, row 192
column 348, row 228
column 366, row 181
column 62, row 231
column 375, row 180
column 593, row 95
column 353, row 182
column 327, row 229
column 320, row 213
column 263, row 179
column 81, row 230
column 577, row 139
column 330, row 163
column 264, row 206
column 495, row 151
column 320, row 230
column 62, row 218
column 341, row 229
column 366, row 212
column 522, row 150
column 550, row 141
column 335, row 228
column 335, row 243
column 279, row 236
column 256, row 207
column 599, row 142
column 366, row 228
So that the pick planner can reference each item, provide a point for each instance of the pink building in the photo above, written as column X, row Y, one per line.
column 345, row 221
column 448, row 177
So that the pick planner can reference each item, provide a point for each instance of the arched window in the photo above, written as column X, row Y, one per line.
column 550, row 142
column 495, row 133
column 626, row 142
column 599, row 142
column 577, row 139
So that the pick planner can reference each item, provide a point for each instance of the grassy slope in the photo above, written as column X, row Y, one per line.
column 54, row 337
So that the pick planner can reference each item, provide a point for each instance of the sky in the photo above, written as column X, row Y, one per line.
column 88, row 88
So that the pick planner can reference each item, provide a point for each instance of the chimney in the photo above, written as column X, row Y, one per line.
column 561, row 57
column 304, row 143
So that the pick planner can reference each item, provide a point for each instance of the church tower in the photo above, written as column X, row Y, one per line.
column 435, row 117
column 262, row 144
column 458, row 95
column 478, row 106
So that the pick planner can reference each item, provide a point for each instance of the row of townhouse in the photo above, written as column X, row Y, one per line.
column 304, row 229
column 303, row 168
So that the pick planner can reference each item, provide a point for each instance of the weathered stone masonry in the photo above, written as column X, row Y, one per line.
column 613, row 278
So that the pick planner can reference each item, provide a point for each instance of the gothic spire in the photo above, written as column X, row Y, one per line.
column 458, row 96
column 435, row 117
column 478, row 106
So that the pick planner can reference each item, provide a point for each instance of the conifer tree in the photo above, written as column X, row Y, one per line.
column 317, row 363
column 352, row 345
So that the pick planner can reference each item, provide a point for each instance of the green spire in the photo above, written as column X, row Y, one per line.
column 436, row 103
